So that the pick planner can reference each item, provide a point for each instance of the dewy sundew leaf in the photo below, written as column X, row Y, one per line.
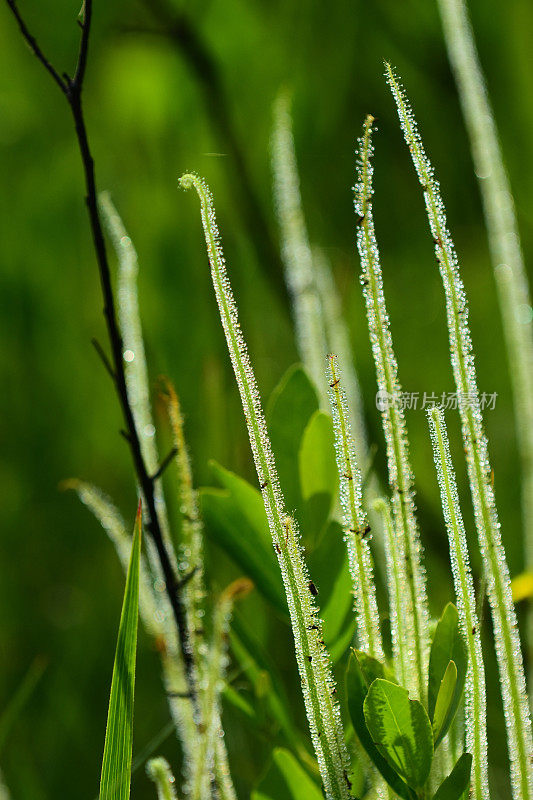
column 158, row 770
column 356, row 527
column 504, row 239
column 313, row 660
column 395, row 582
column 393, row 420
column 476, row 717
column 507, row 638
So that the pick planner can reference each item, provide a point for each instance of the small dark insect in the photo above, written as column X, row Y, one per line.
column 335, row 383
column 366, row 531
column 312, row 588
column 365, row 281
column 312, row 627
column 278, row 548
column 334, row 690
column 309, row 658
column 264, row 485
column 346, row 778
column 474, row 631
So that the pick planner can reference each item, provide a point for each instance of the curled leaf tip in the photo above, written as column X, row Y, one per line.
column 188, row 179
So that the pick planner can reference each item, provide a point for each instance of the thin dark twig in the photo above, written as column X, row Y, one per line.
column 85, row 25
column 104, row 359
column 72, row 89
column 35, row 47
column 164, row 464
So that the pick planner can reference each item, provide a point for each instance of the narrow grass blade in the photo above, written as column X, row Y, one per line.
column 153, row 609
column 116, row 763
column 504, row 240
column 312, row 658
column 158, row 770
column 507, row 639
column 395, row 578
column 476, row 719
column 356, row 527
column 393, row 420
column 297, row 254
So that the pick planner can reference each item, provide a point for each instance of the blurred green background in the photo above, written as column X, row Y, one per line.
column 153, row 112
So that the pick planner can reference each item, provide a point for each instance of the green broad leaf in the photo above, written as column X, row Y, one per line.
column 328, row 565
column 291, row 406
column 356, row 693
column 235, row 519
column 401, row 730
column 444, row 703
column 116, row 763
column 373, row 669
column 448, row 645
column 286, row 779
column 319, row 476
column 456, row 784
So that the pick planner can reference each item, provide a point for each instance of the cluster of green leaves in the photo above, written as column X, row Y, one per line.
column 400, row 735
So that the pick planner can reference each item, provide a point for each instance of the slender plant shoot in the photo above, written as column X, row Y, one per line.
column 135, row 366
column 192, row 531
column 216, row 664
column 504, row 240
column 507, row 638
column 356, row 527
column 395, row 583
column 476, row 716
column 158, row 770
column 393, row 420
column 313, row 661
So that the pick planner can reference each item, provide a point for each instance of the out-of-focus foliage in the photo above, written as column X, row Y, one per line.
column 59, row 577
